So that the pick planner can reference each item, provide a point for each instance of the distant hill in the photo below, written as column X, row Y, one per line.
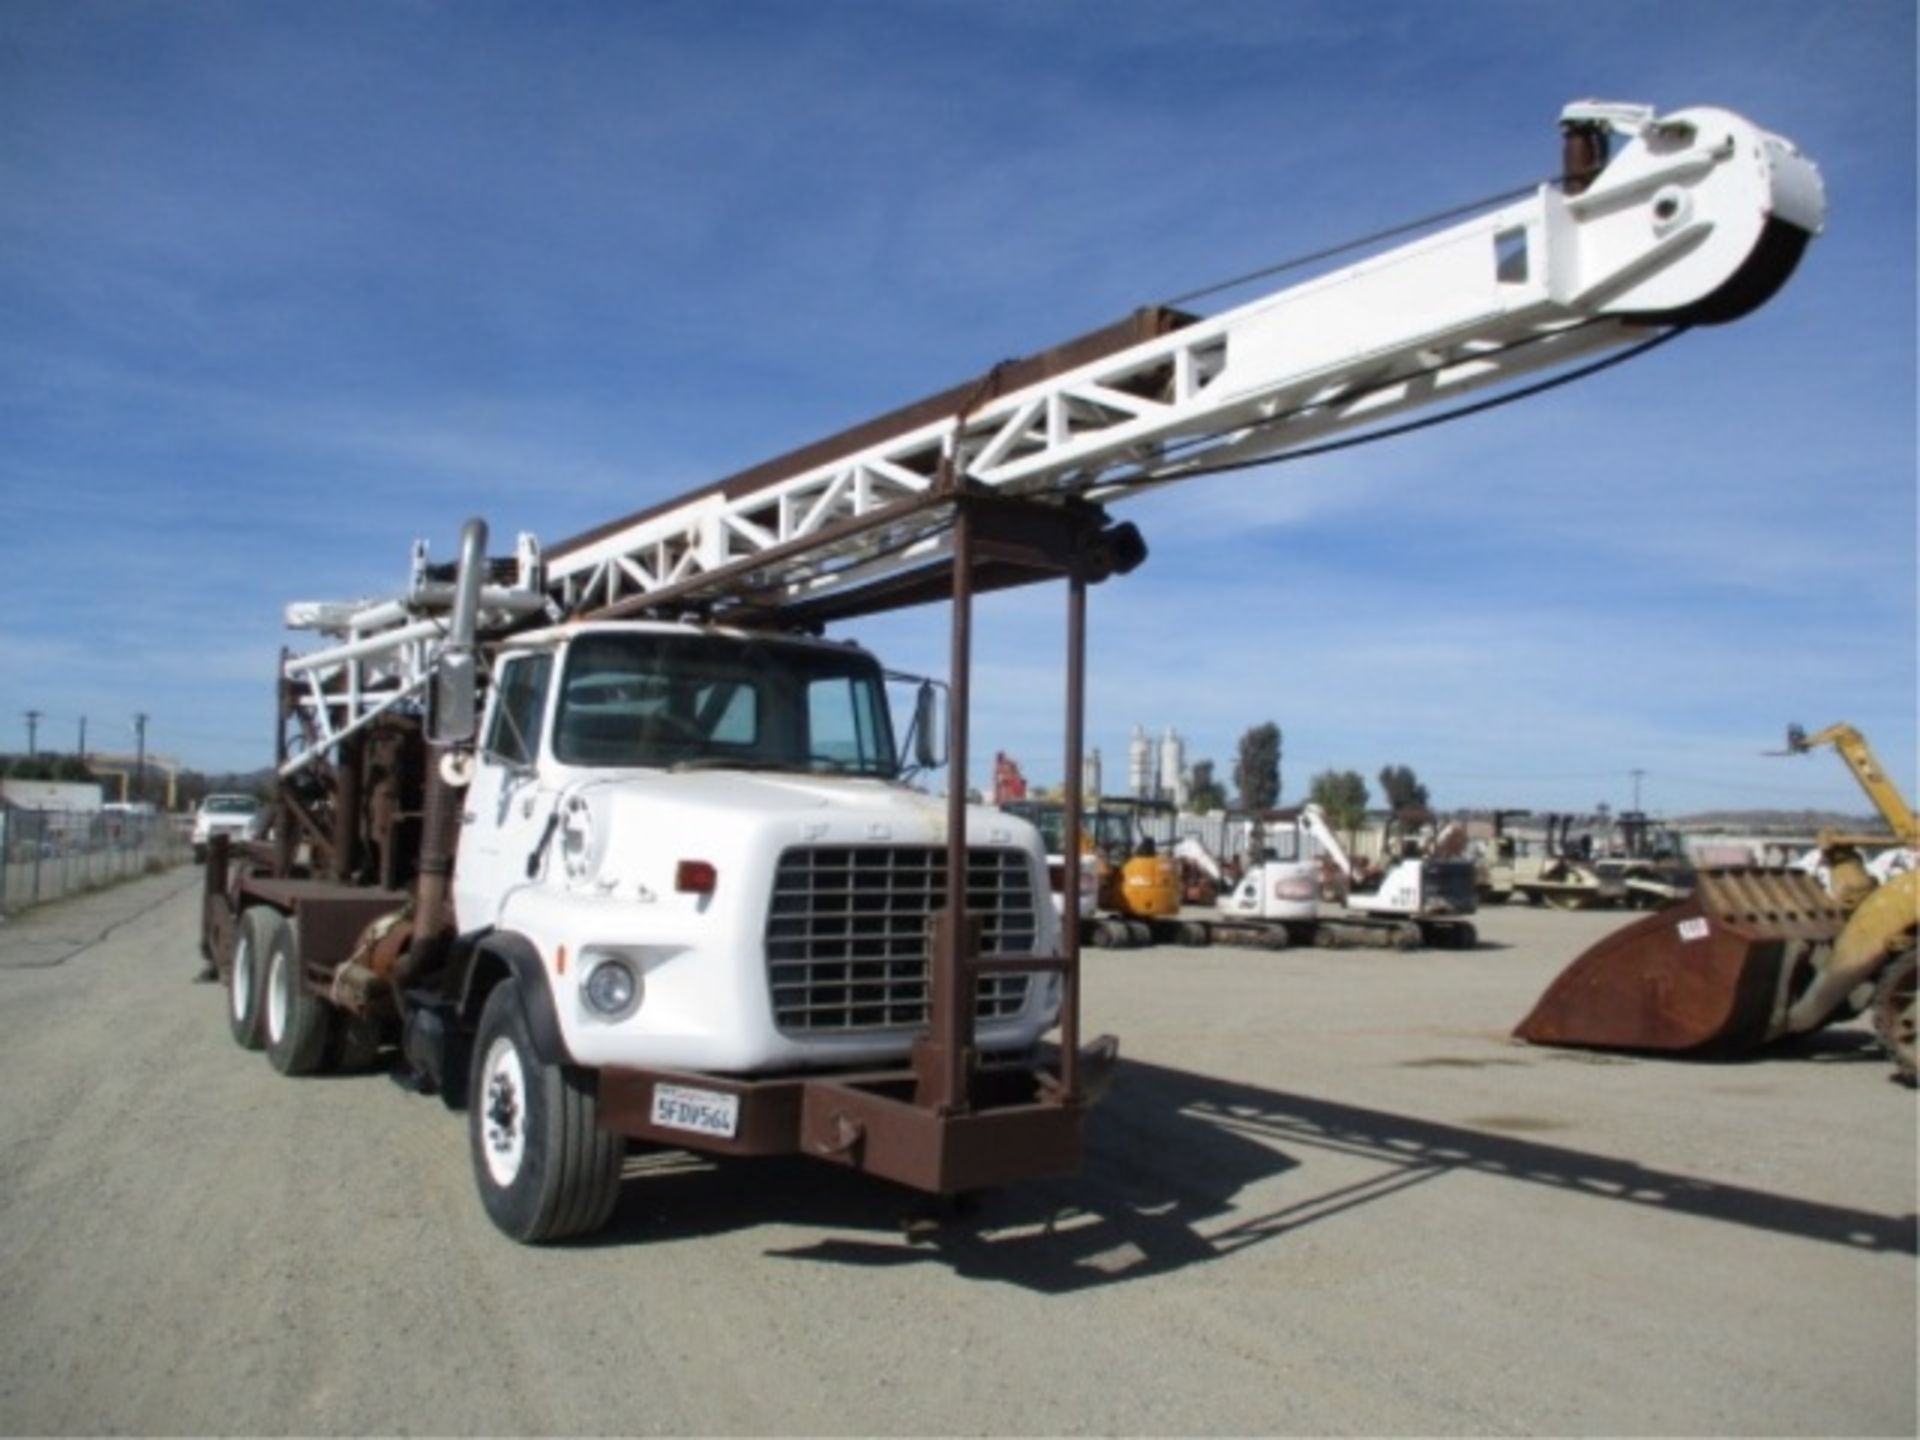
column 1740, row 822
column 1781, row 821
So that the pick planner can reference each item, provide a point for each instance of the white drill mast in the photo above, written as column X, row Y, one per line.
column 1699, row 217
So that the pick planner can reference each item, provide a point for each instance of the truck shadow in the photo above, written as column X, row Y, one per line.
column 1169, row 1154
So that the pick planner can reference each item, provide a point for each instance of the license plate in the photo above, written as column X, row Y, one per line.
column 704, row 1112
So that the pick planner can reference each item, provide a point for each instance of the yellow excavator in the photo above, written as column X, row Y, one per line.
column 1137, row 892
column 1139, row 879
column 1757, row 955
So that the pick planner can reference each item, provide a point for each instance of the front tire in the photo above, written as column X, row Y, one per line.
column 297, row 1021
column 544, row 1167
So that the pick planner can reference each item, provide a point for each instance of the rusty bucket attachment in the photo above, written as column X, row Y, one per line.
column 1714, row 974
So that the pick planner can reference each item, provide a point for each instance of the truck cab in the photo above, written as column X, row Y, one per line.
column 705, row 837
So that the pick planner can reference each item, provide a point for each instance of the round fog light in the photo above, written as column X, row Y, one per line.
column 611, row 988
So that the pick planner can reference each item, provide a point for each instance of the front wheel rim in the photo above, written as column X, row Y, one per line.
column 503, row 1113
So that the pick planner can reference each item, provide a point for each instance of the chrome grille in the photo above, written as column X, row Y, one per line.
column 849, row 937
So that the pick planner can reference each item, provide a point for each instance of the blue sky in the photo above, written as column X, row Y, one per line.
column 283, row 286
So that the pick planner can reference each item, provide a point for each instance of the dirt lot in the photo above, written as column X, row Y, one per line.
column 1326, row 1195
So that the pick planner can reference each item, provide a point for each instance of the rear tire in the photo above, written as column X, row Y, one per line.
column 297, row 1021
column 246, row 980
column 544, row 1167
column 1894, row 1019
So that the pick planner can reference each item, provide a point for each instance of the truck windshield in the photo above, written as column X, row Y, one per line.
column 653, row 699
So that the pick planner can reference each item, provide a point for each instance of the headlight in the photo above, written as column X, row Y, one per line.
column 612, row 987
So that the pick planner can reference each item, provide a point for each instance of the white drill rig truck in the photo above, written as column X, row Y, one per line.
column 613, row 846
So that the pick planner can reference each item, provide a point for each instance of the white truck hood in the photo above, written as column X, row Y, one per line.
column 643, row 824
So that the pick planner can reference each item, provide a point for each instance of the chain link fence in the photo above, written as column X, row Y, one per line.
column 46, row 854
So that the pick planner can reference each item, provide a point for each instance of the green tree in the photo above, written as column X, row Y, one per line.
column 1403, row 789
column 1342, row 794
column 1203, row 791
column 1256, row 774
column 69, row 769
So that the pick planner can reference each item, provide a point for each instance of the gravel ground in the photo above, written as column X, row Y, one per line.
column 1325, row 1195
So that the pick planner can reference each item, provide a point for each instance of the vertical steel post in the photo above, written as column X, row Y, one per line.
column 140, row 761
column 213, row 879
column 1070, row 868
column 942, row 1071
column 348, row 765
column 283, row 837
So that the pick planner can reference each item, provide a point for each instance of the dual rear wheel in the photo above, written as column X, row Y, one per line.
column 267, row 1006
column 544, row 1167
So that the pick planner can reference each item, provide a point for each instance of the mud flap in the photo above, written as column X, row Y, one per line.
column 1713, row 974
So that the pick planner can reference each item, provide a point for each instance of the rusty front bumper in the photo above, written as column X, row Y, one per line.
column 1018, row 1125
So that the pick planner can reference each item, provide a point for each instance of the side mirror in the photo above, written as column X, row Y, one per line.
column 452, row 709
column 929, row 728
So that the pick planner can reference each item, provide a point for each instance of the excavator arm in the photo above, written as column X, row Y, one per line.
column 1867, row 769
column 1190, row 849
column 1314, row 821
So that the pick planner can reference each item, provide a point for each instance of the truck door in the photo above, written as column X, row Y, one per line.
column 503, row 816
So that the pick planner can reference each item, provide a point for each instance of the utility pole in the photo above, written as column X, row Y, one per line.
column 33, row 732
column 140, row 761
